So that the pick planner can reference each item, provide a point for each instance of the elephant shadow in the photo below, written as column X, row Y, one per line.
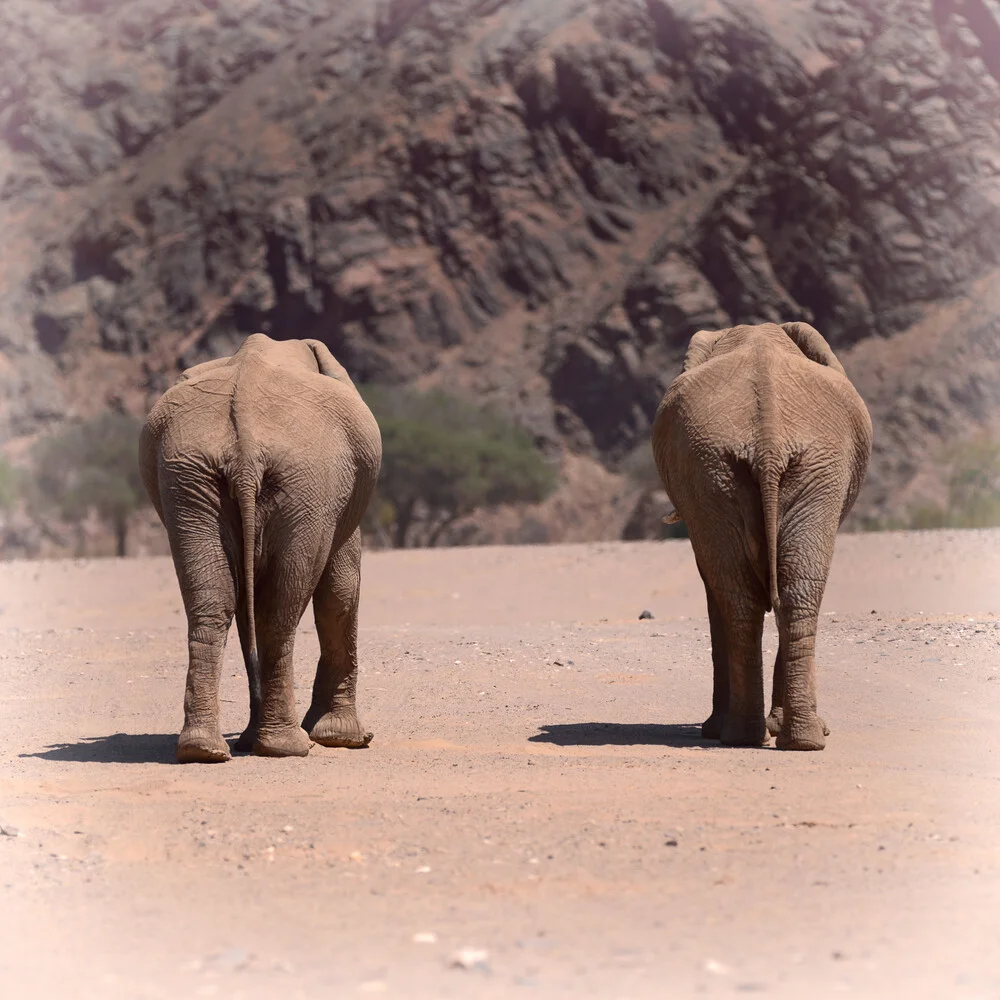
column 118, row 748
column 621, row 734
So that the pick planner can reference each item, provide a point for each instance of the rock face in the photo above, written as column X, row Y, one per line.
column 535, row 201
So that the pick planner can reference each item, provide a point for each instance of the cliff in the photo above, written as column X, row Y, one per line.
column 535, row 202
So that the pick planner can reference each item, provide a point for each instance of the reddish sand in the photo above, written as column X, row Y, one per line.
column 536, row 789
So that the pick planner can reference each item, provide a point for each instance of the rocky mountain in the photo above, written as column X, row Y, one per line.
column 535, row 202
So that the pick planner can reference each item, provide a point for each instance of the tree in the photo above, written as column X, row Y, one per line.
column 974, row 486
column 973, row 490
column 443, row 458
column 92, row 466
column 10, row 486
column 973, row 493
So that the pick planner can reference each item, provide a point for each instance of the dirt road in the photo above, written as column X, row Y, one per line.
column 536, row 791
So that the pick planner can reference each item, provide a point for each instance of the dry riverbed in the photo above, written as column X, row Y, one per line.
column 537, row 815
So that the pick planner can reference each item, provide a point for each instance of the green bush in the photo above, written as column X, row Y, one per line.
column 974, row 487
column 10, row 486
column 443, row 458
column 91, row 466
column 973, row 494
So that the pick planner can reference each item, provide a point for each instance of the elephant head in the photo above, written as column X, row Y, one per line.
column 326, row 363
column 805, row 337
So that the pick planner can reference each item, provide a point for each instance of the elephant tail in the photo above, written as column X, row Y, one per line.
column 246, row 499
column 770, row 476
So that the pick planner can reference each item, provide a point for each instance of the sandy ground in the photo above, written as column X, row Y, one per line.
column 536, row 790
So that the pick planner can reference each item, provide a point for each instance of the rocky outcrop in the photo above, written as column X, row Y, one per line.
column 533, row 201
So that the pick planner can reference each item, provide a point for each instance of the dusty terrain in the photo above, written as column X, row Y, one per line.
column 536, row 789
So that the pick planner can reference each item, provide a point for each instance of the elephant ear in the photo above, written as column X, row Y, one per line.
column 326, row 362
column 700, row 347
column 813, row 345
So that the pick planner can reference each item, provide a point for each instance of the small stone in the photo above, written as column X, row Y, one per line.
column 471, row 959
column 9, row 831
column 670, row 842
column 287, row 829
column 645, row 614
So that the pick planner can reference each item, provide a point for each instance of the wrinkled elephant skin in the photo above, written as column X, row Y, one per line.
column 762, row 444
column 260, row 467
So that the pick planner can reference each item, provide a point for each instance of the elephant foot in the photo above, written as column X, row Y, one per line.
column 281, row 741
column 777, row 718
column 202, row 746
column 246, row 741
column 803, row 734
column 738, row 731
column 340, row 729
column 711, row 728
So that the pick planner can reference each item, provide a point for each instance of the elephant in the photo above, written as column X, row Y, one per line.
column 260, row 467
column 762, row 444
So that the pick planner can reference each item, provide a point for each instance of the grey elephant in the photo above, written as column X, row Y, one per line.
column 260, row 467
column 762, row 444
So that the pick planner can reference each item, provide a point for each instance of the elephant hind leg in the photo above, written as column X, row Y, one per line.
column 777, row 713
column 711, row 728
column 278, row 733
column 805, row 551
column 737, row 599
column 744, row 625
column 249, row 735
column 332, row 719
column 280, row 602
column 800, row 726
column 209, row 601
column 200, row 741
column 776, row 717
column 736, row 613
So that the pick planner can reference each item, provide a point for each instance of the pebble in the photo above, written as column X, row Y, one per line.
column 471, row 959
column 9, row 831
column 645, row 614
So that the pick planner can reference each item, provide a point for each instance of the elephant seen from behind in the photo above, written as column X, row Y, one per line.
column 762, row 443
column 260, row 467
